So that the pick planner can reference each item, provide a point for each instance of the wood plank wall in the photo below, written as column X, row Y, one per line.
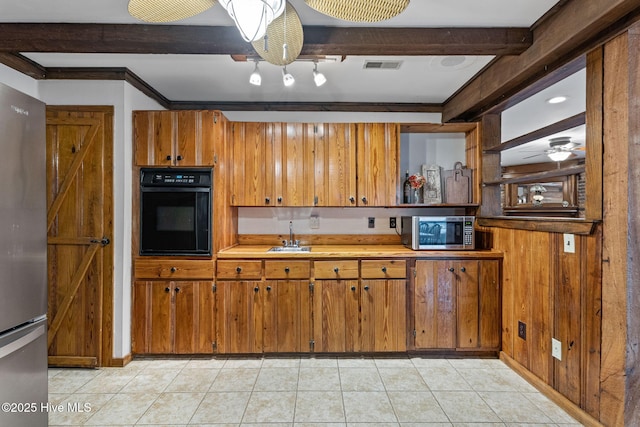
column 555, row 294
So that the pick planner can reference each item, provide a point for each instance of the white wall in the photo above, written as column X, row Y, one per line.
column 442, row 149
column 124, row 98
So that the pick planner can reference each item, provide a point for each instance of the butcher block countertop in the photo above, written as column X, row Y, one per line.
column 350, row 251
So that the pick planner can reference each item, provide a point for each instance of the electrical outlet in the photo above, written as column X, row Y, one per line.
column 372, row 222
column 556, row 349
column 392, row 222
column 314, row 221
column 522, row 330
column 569, row 243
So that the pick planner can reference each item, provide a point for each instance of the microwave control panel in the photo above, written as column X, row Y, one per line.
column 468, row 232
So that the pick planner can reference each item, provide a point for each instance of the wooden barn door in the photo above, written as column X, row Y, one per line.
column 80, row 224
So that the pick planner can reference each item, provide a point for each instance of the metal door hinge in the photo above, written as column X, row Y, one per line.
column 215, row 159
column 214, row 345
column 215, row 119
column 214, row 288
column 315, row 128
column 315, row 201
column 312, row 344
column 311, row 287
column 414, row 333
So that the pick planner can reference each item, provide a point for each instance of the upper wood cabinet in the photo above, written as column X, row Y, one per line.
column 334, row 164
column 175, row 138
column 377, row 163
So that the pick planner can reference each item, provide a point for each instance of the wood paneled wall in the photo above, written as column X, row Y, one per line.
column 557, row 295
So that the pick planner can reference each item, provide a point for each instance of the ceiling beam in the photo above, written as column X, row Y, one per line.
column 574, row 29
column 367, row 107
column 190, row 39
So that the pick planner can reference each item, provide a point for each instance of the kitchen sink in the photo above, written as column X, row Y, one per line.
column 290, row 249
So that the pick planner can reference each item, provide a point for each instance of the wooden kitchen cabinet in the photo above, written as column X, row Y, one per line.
column 173, row 317
column 366, row 315
column 456, row 304
column 377, row 163
column 334, row 165
column 176, row 138
column 267, row 316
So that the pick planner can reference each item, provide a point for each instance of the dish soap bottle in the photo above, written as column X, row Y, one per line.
column 407, row 192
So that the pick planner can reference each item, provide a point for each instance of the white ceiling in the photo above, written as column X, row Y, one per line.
column 420, row 79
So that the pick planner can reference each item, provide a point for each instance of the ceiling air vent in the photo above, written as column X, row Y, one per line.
column 382, row 65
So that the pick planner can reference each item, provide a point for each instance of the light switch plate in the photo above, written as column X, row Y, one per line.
column 569, row 243
column 371, row 222
column 314, row 221
column 556, row 349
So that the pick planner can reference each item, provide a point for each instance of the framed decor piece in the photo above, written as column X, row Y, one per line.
column 433, row 186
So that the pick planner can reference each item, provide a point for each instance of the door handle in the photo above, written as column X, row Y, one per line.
column 104, row 241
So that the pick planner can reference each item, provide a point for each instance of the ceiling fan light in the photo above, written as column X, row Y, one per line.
column 255, row 78
column 318, row 78
column 287, row 78
column 559, row 156
column 252, row 17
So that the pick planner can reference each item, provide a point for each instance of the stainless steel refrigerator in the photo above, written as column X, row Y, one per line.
column 23, row 260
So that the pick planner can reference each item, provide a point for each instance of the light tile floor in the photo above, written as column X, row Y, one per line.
column 301, row 392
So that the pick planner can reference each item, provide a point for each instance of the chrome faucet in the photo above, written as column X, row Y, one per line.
column 291, row 242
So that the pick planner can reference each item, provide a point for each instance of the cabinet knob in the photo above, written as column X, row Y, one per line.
column 364, row 199
column 463, row 269
column 238, row 270
column 179, row 158
column 384, row 269
column 256, row 289
column 168, row 157
column 352, row 199
column 366, row 288
column 268, row 288
column 267, row 200
column 451, row 269
column 167, row 289
column 279, row 199
column 336, row 270
column 177, row 289
column 173, row 269
column 353, row 288
column 287, row 270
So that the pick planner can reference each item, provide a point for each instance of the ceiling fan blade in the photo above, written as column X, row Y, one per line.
column 535, row 155
column 278, row 34
column 167, row 10
column 359, row 10
column 579, row 148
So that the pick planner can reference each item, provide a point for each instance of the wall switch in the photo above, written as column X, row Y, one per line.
column 569, row 243
column 392, row 222
column 372, row 222
column 522, row 330
column 556, row 349
column 314, row 221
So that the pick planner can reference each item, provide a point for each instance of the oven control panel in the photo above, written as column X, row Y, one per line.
column 169, row 177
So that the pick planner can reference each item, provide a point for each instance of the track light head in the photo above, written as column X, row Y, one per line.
column 287, row 78
column 255, row 78
column 318, row 78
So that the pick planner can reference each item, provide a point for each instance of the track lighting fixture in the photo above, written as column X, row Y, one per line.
column 287, row 78
column 255, row 78
column 318, row 78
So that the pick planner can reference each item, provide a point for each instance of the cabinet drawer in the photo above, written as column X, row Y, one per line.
column 287, row 269
column 149, row 268
column 384, row 269
column 240, row 269
column 338, row 269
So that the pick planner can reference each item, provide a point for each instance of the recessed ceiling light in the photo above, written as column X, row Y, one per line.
column 557, row 99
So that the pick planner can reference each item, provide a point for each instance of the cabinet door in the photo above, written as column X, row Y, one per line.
column 377, row 164
column 140, row 304
column 161, row 325
column 253, row 166
column 334, row 164
column 383, row 315
column 335, row 315
column 434, row 305
column 153, row 137
column 287, row 316
column 478, row 305
column 239, row 316
column 194, row 138
column 194, row 321
column 296, row 164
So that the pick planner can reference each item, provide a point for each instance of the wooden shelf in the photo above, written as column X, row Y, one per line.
column 437, row 205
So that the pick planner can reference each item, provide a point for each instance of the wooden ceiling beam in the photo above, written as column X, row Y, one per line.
column 189, row 39
column 574, row 29
column 367, row 107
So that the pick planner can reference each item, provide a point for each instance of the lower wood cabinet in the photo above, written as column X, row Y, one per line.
column 456, row 305
column 172, row 317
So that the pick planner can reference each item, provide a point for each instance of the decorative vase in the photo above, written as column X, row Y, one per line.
column 418, row 196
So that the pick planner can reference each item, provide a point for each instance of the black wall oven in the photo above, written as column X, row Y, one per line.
column 175, row 211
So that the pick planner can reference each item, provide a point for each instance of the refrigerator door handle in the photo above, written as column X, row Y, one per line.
column 21, row 342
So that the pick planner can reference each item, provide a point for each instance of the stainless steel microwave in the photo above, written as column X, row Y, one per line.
column 438, row 232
